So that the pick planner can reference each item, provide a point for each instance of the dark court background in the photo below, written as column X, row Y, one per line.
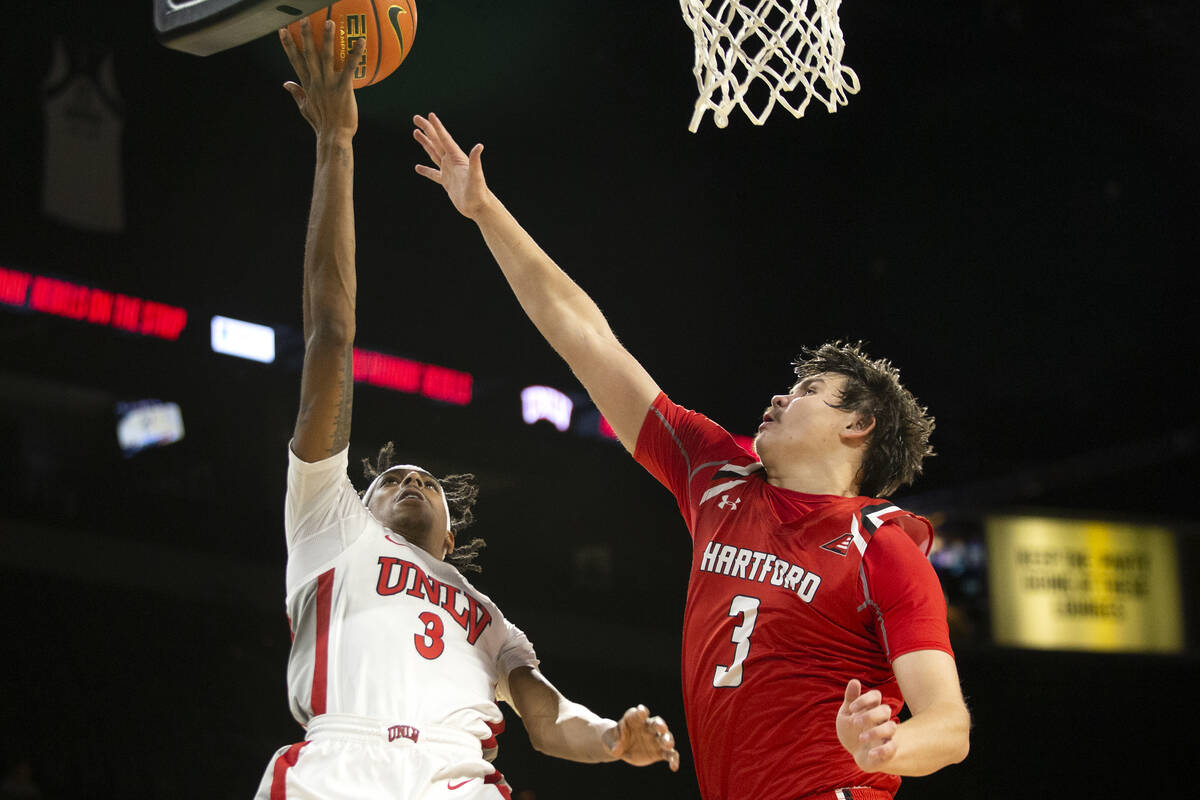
column 1007, row 210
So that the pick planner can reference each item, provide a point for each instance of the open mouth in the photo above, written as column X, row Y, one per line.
column 410, row 494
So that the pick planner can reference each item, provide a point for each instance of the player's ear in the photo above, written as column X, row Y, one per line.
column 449, row 543
column 859, row 428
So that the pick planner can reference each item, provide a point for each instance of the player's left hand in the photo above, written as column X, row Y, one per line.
column 643, row 740
column 865, row 727
column 324, row 95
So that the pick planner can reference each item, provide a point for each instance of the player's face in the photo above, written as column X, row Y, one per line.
column 804, row 421
column 409, row 501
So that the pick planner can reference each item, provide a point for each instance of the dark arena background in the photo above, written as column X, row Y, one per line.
column 1007, row 210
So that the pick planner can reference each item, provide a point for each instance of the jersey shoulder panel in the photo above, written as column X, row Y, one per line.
column 875, row 512
column 902, row 591
column 677, row 441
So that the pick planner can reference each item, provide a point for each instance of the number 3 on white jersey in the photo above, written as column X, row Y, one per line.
column 747, row 608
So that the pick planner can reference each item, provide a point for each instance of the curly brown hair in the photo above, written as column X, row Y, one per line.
column 461, row 493
column 900, row 442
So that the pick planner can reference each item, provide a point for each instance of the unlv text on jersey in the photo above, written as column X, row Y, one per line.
column 470, row 614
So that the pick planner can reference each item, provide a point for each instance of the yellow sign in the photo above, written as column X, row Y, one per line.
column 1077, row 585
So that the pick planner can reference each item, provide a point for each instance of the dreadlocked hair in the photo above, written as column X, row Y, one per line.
column 461, row 492
column 900, row 441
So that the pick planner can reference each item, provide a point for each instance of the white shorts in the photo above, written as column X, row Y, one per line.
column 357, row 758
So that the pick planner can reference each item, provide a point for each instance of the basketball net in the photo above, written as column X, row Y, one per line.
column 796, row 54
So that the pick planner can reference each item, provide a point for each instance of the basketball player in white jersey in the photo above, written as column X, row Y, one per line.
column 397, row 661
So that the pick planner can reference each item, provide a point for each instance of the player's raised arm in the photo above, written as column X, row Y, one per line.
column 562, row 312
column 325, row 98
column 563, row 729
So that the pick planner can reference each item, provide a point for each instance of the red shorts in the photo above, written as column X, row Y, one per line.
column 851, row 793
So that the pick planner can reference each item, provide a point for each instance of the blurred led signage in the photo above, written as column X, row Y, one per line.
column 148, row 423
column 96, row 306
column 544, row 402
column 233, row 337
column 1081, row 585
column 412, row 377
column 14, row 286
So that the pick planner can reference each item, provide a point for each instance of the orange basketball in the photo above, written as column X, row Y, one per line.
column 388, row 27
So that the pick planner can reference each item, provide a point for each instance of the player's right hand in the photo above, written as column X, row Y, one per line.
column 865, row 727
column 459, row 173
column 643, row 740
column 324, row 96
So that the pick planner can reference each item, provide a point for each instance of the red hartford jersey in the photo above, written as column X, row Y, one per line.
column 784, row 607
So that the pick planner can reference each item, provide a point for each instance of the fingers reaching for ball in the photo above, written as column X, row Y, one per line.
column 370, row 38
column 324, row 95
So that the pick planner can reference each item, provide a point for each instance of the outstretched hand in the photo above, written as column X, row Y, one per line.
column 865, row 727
column 459, row 173
column 324, row 96
column 643, row 740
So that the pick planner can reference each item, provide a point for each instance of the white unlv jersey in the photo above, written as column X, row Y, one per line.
column 380, row 628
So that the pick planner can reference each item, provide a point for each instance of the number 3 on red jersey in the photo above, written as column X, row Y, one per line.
column 747, row 608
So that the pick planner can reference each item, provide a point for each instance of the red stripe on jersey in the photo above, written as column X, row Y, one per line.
column 282, row 765
column 321, row 657
column 497, row 780
column 497, row 729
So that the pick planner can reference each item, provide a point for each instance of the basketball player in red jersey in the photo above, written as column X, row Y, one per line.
column 397, row 662
column 812, row 614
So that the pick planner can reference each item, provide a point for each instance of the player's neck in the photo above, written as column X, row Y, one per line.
column 814, row 476
column 419, row 540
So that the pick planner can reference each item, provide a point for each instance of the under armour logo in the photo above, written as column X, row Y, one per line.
column 727, row 503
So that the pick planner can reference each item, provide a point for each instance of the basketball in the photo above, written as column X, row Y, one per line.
column 388, row 27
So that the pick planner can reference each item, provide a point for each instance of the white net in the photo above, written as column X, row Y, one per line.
column 792, row 52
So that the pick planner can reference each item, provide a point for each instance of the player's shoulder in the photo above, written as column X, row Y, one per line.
column 732, row 462
column 334, row 462
column 692, row 429
column 884, row 519
column 724, row 469
column 448, row 573
column 317, row 478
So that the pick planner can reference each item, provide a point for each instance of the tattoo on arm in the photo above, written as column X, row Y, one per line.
column 341, row 430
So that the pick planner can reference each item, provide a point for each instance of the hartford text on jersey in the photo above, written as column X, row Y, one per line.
column 757, row 566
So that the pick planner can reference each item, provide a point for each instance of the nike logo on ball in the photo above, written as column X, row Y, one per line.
column 394, row 13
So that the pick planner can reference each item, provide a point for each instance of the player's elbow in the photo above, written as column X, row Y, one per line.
column 536, row 741
column 536, row 729
column 958, row 752
column 959, row 740
column 548, row 746
column 945, row 740
column 331, row 332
